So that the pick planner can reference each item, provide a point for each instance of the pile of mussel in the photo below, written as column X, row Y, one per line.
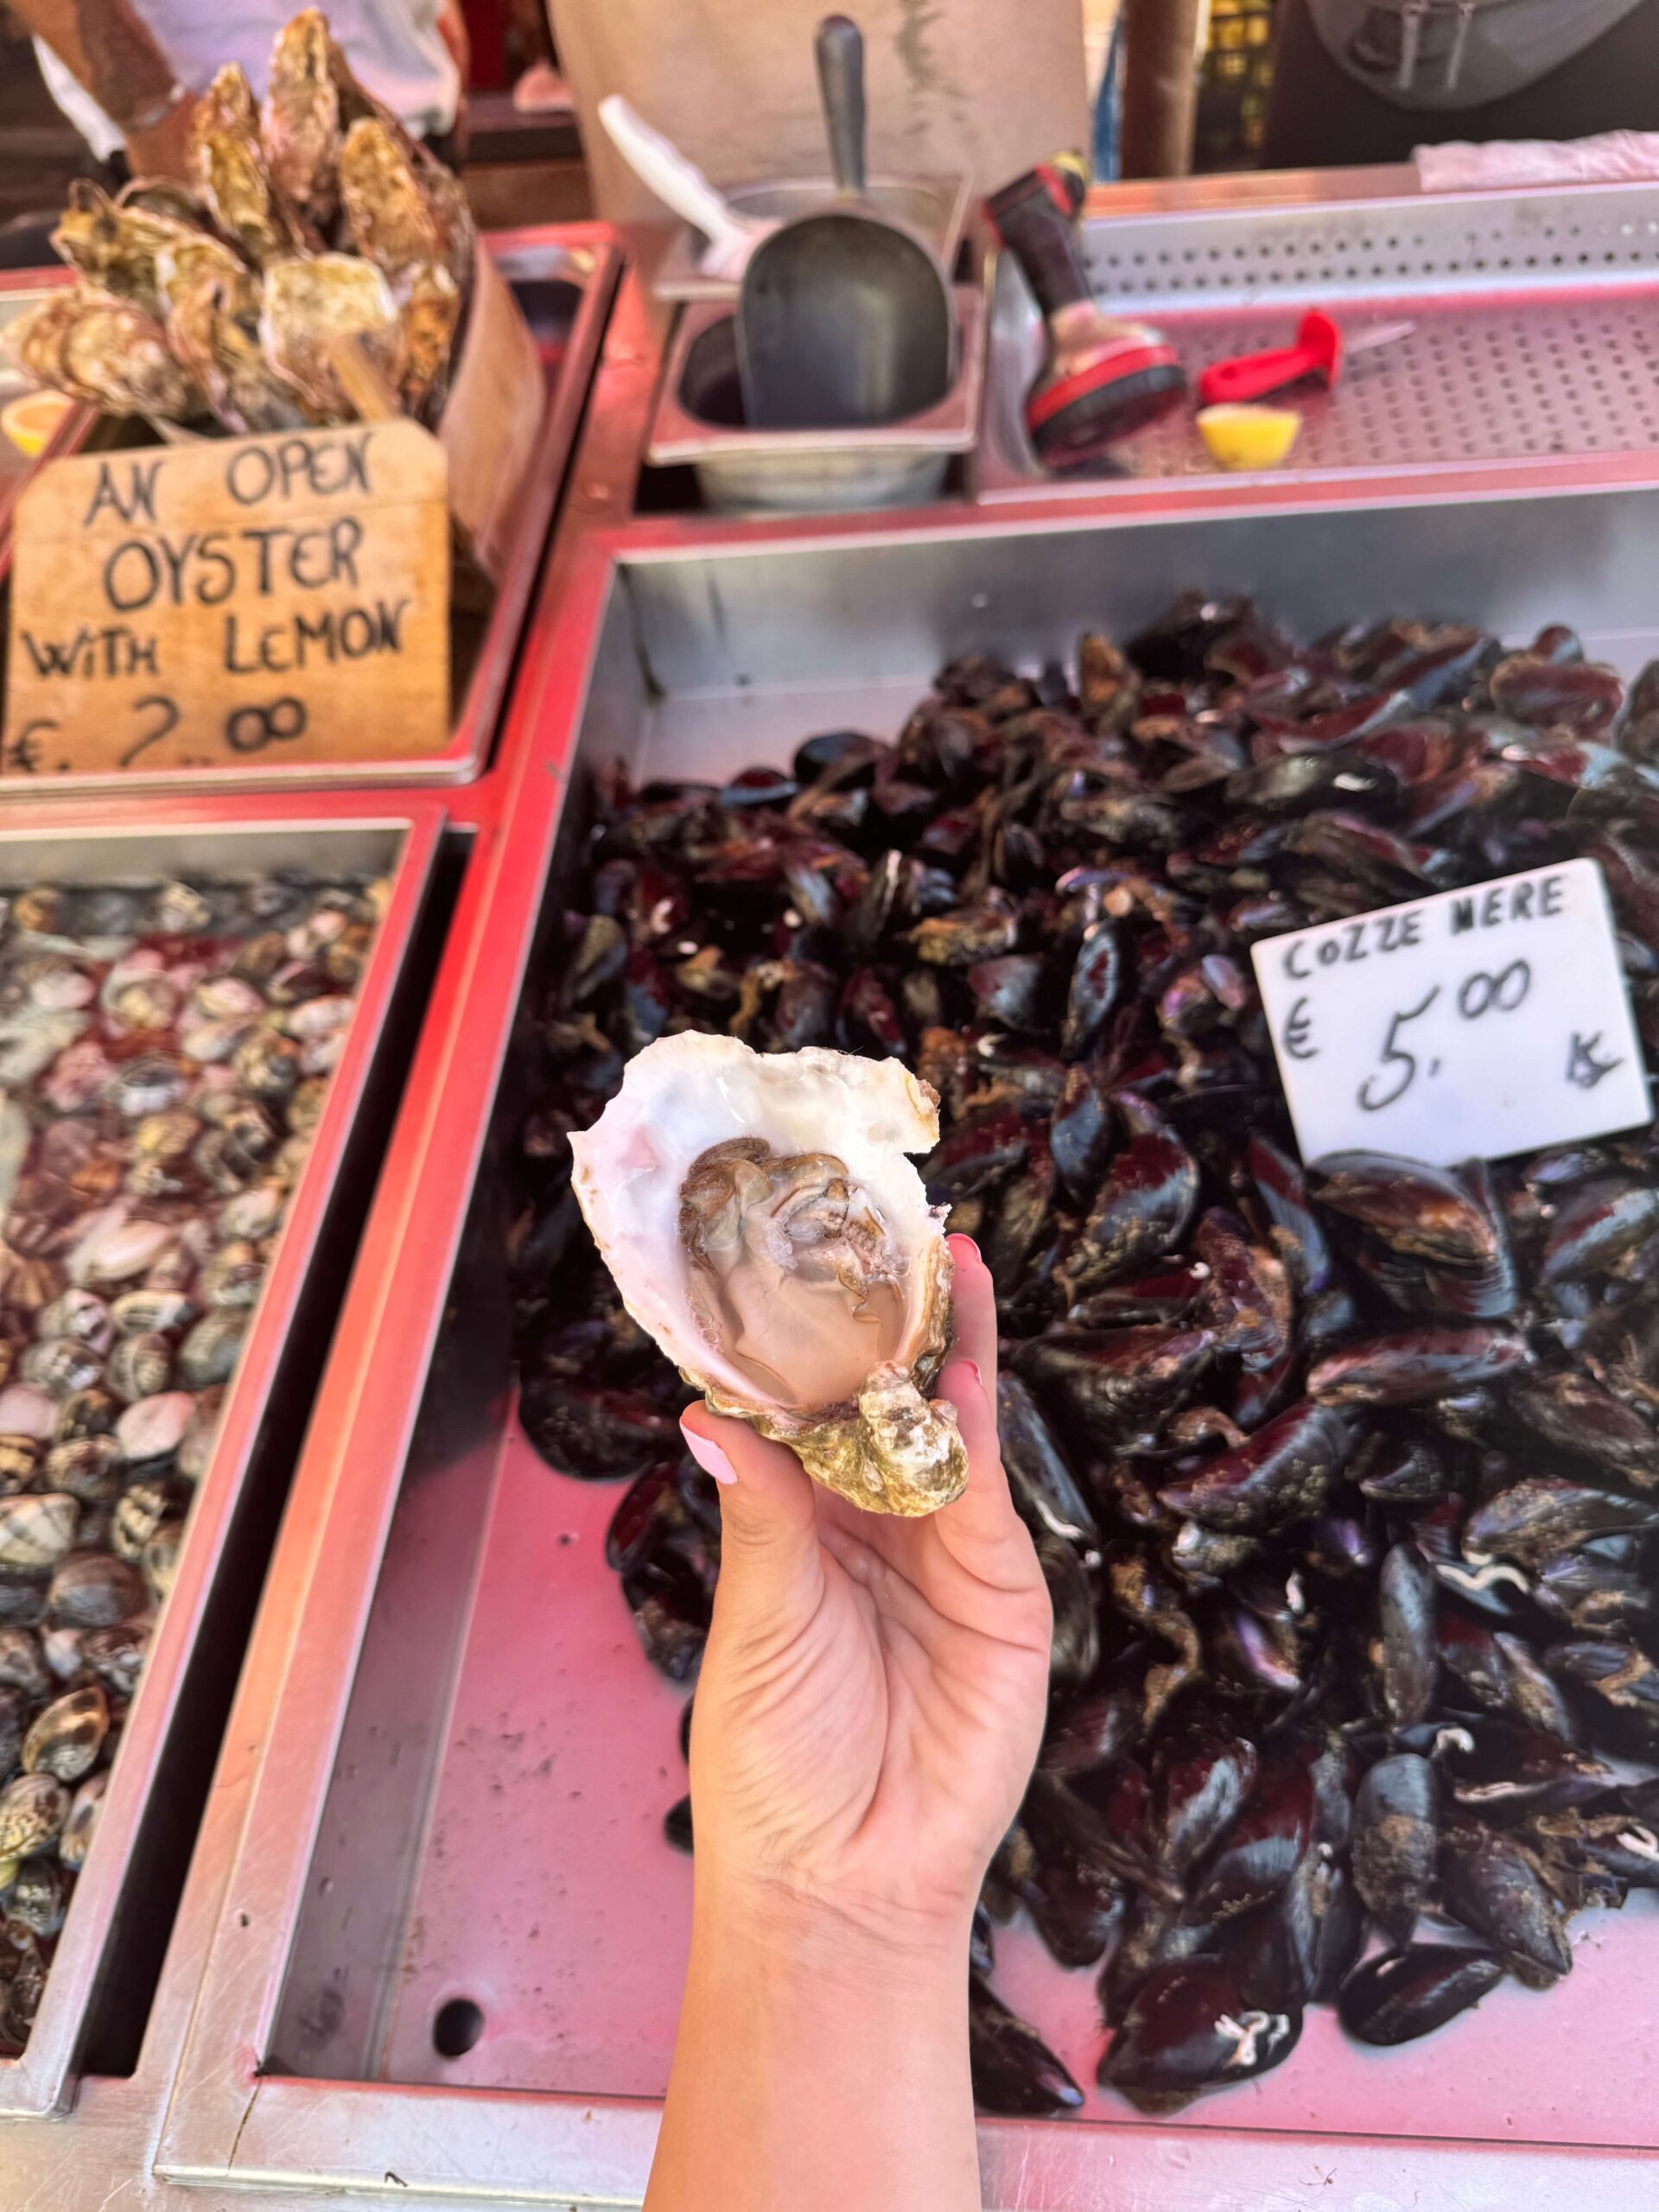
column 1344, row 1482
column 165, row 1053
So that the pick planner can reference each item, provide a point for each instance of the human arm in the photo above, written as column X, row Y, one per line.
column 870, row 1705
column 110, row 52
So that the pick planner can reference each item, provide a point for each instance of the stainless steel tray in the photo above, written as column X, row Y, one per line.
column 461, row 1786
column 142, row 1837
column 700, row 420
column 1536, row 338
column 564, row 278
column 937, row 206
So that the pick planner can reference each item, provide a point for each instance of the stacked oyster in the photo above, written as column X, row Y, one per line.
column 316, row 271
column 165, row 1053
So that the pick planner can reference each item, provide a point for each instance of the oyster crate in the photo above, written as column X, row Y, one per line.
column 521, row 379
column 452, row 1939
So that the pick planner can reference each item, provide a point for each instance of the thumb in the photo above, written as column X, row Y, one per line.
column 771, row 1571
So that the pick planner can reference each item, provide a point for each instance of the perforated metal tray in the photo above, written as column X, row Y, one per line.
column 1536, row 336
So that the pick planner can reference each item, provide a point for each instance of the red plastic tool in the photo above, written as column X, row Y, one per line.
column 1320, row 351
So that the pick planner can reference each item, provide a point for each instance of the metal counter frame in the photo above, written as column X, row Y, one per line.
column 229, row 2126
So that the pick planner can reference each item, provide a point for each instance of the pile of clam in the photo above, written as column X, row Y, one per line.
column 1345, row 1478
column 164, row 1056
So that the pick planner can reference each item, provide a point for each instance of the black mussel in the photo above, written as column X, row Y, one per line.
column 1545, row 1514
column 1409, row 1665
column 1020, row 1212
column 988, row 1143
column 1490, row 1883
column 595, row 1433
column 1279, row 1474
column 1096, row 983
column 1297, row 1228
column 650, row 1503
column 1074, row 1645
column 1596, row 1225
column 1422, row 1364
column 1083, row 1130
column 1471, row 1654
column 1555, row 695
column 1399, row 1469
column 1139, row 1212
column 1146, row 1598
column 1298, row 783
column 868, row 1020
column 1260, row 1852
column 1394, row 1843
column 981, row 1942
column 1099, row 1849
column 1203, row 1771
column 1250, row 1303
column 1323, row 1923
column 1015, row 2072
column 1253, row 1656
column 1404, row 1994
column 670, row 1603
column 1187, row 2028
column 1535, row 1696
column 970, row 934
column 1111, row 1386
column 1205, row 1556
column 1044, row 1488
column 1490, row 1760
column 1594, row 1597
column 1010, row 991
column 1168, row 1296
column 1427, row 1212
column 1572, row 1411
column 1621, row 1687
column 1088, row 1732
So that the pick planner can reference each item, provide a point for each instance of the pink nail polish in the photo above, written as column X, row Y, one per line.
column 708, row 1457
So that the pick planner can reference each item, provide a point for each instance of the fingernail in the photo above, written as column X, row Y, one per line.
column 960, row 1366
column 967, row 1244
column 708, row 1457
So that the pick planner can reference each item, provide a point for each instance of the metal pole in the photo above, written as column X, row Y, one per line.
column 1159, row 85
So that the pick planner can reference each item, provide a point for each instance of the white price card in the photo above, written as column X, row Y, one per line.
column 1468, row 1025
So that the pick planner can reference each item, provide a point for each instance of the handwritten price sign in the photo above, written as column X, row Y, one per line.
column 1472, row 1025
column 233, row 602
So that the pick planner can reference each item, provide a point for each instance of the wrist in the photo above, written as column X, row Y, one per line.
column 786, row 1930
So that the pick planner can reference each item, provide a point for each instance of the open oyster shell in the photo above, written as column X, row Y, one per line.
column 762, row 1220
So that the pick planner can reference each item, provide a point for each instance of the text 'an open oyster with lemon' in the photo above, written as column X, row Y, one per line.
column 762, row 1220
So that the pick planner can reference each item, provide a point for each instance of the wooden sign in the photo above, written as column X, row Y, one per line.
column 232, row 603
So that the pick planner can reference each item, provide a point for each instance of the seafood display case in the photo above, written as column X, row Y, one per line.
column 563, row 277
column 183, row 1199
column 452, row 1935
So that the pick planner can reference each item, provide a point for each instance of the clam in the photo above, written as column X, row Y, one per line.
column 151, row 1427
column 76, row 1840
column 139, row 1513
column 209, row 1353
column 36, row 1898
column 33, row 1811
column 92, row 1590
column 117, row 1654
column 764, row 1224
column 67, row 1735
column 36, row 1529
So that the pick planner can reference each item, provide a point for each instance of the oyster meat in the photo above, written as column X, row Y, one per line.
column 763, row 1222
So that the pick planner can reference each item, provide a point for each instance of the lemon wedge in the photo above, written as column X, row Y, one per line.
column 29, row 421
column 1240, row 436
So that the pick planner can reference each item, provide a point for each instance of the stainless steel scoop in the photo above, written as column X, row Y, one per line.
column 844, row 318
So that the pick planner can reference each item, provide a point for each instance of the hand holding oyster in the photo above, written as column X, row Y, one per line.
column 763, row 1223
